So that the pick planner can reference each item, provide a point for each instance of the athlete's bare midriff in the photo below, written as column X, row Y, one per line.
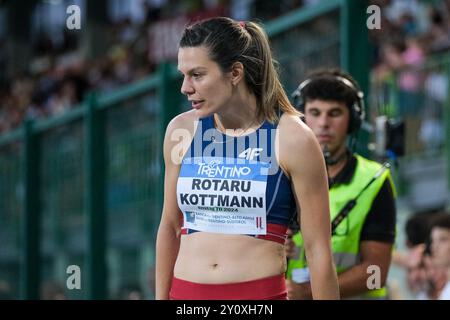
column 219, row 258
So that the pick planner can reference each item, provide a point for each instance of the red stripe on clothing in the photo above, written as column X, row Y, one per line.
column 275, row 232
column 271, row 288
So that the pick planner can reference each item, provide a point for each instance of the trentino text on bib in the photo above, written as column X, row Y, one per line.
column 223, row 195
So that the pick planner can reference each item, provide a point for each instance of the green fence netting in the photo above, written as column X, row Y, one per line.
column 11, row 208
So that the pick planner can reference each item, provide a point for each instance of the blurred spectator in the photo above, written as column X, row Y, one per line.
column 424, row 280
column 438, row 33
column 64, row 97
column 400, row 56
column 408, row 24
column 440, row 248
column 413, row 55
column 127, row 32
column 432, row 130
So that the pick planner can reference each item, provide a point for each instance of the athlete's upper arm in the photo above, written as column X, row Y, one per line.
column 179, row 134
column 302, row 158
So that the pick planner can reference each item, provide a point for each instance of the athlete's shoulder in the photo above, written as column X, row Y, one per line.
column 299, row 149
column 294, row 132
column 186, row 120
column 179, row 134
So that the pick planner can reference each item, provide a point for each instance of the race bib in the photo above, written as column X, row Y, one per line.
column 223, row 196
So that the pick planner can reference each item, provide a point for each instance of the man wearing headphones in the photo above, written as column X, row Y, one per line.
column 362, row 203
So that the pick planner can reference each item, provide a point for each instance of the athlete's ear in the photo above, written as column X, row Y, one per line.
column 237, row 73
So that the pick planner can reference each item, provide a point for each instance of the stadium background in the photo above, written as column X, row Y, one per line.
column 83, row 113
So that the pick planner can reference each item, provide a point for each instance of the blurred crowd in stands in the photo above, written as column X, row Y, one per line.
column 409, row 47
column 408, row 55
column 59, row 75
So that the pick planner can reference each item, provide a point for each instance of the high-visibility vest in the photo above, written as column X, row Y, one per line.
column 345, row 241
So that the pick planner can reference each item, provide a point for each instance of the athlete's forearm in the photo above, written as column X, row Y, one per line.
column 324, row 283
column 167, row 246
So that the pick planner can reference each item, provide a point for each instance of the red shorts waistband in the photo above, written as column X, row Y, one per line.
column 271, row 288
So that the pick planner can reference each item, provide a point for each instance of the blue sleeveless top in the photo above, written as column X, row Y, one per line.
column 234, row 185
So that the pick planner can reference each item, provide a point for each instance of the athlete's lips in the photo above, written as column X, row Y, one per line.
column 196, row 104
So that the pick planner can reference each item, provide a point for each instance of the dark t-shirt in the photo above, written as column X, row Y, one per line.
column 381, row 219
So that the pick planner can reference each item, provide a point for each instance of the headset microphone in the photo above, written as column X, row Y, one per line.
column 326, row 154
column 328, row 159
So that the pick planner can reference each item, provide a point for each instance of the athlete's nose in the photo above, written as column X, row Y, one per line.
column 187, row 88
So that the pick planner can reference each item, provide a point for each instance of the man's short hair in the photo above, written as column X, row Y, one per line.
column 325, row 86
column 442, row 221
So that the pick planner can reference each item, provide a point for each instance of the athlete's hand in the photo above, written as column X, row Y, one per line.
column 298, row 291
column 289, row 245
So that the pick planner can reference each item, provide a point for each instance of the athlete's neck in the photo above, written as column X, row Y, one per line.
column 240, row 112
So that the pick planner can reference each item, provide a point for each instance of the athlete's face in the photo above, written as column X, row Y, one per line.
column 440, row 246
column 204, row 83
column 329, row 121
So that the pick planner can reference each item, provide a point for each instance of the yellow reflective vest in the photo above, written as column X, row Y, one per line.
column 345, row 241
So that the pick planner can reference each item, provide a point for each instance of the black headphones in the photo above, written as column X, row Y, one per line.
column 357, row 110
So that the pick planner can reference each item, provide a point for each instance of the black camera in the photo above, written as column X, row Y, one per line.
column 389, row 138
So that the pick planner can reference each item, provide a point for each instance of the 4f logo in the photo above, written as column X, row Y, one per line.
column 250, row 153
